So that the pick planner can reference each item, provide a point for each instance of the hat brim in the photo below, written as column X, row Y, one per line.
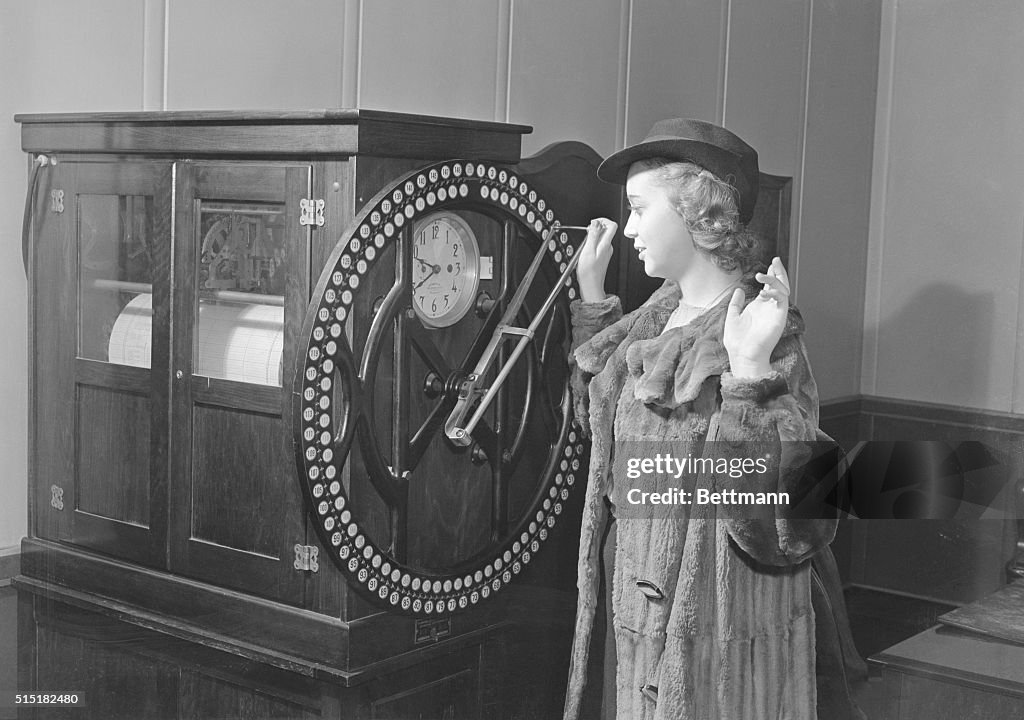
column 721, row 162
column 724, row 164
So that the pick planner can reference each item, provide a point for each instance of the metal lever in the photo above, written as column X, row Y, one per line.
column 459, row 431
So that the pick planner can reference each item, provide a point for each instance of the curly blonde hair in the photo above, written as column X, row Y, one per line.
column 709, row 207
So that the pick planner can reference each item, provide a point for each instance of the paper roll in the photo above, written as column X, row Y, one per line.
column 233, row 341
column 130, row 339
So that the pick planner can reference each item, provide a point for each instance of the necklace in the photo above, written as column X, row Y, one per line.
column 685, row 312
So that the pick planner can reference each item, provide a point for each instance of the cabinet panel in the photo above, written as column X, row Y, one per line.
column 116, row 684
column 227, row 444
column 455, row 696
column 207, row 696
column 112, row 465
column 241, row 259
column 52, row 364
column 105, row 234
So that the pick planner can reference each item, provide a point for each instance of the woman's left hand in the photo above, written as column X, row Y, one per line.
column 752, row 332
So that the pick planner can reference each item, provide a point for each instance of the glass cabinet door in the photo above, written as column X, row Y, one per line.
column 102, row 248
column 240, row 289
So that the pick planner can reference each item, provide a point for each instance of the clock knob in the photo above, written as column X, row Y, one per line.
column 484, row 304
column 433, row 385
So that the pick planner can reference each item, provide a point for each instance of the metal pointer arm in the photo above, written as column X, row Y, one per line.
column 458, row 430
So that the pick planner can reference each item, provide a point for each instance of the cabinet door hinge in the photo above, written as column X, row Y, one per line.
column 57, row 201
column 56, row 497
column 311, row 212
column 307, row 557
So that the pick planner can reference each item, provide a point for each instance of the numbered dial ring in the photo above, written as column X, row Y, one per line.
column 363, row 418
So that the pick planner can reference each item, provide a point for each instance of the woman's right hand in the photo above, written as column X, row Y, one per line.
column 595, row 254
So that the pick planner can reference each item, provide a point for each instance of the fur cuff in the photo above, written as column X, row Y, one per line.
column 595, row 315
column 756, row 390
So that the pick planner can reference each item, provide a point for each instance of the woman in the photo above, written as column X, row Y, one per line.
column 711, row 607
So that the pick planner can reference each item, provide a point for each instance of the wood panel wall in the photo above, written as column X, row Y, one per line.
column 945, row 294
column 600, row 71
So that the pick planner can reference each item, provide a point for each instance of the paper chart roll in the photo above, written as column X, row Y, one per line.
column 233, row 341
column 130, row 339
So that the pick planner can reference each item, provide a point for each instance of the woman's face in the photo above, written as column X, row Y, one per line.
column 658, row 232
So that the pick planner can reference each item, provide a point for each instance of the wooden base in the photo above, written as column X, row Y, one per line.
column 140, row 643
column 123, row 670
column 269, row 632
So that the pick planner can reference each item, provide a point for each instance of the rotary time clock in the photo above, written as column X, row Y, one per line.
column 391, row 342
column 445, row 270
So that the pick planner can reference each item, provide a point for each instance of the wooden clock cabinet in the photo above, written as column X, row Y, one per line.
column 164, row 503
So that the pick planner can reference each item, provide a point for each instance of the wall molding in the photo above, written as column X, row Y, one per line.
column 723, row 61
column 154, row 55
column 503, row 60
column 792, row 259
column 885, row 99
column 1016, row 401
column 625, row 58
column 351, row 53
column 931, row 413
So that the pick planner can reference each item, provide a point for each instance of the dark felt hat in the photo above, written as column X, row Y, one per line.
column 701, row 143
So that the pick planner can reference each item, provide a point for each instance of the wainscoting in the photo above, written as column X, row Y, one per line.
column 952, row 561
column 901, row 575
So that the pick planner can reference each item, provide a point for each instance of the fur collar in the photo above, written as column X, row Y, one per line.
column 670, row 369
column 645, row 321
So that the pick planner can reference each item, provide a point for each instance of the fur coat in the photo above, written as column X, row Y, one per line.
column 713, row 615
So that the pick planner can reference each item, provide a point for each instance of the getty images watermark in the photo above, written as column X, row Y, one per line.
column 671, row 467
column 813, row 480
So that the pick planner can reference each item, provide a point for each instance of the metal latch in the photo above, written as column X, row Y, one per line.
column 307, row 557
column 311, row 212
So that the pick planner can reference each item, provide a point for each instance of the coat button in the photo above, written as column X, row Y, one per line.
column 650, row 692
column 650, row 590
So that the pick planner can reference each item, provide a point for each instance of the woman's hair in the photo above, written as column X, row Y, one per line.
column 708, row 206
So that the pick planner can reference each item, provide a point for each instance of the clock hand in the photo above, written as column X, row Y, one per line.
column 434, row 270
column 456, row 428
column 420, row 283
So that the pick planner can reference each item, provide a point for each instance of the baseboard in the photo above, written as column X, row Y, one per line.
column 885, row 418
column 941, row 604
column 10, row 564
column 842, row 405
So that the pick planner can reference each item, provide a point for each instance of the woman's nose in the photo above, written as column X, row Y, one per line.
column 630, row 229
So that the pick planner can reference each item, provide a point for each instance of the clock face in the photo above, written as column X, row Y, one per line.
column 445, row 269
column 394, row 331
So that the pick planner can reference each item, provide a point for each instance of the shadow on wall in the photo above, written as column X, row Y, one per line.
column 831, row 339
column 938, row 347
